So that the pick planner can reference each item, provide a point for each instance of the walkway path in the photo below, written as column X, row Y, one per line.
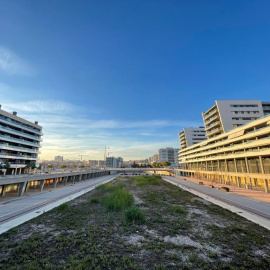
column 237, row 200
column 19, row 210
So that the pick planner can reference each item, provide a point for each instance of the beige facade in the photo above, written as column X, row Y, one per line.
column 240, row 156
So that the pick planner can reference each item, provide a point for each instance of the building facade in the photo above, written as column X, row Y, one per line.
column 240, row 156
column 226, row 115
column 190, row 136
column 169, row 154
column 19, row 142
column 59, row 159
column 113, row 162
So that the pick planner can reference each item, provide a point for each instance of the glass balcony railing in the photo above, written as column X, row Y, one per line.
column 7, row 155
column 18, row 147
column 20, row 133
column 10, row 121
column 19, row 140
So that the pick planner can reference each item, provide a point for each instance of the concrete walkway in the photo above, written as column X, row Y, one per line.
column 17, row 211
column 237, row 200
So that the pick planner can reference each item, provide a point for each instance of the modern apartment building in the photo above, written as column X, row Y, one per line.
column 240, row 156
column 190, row 136
column 169, row 154
column 19, row 142
column 113, row 162
column 228, row 114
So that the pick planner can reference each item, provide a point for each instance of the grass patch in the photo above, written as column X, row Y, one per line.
column 110, row 186
column 177, row 209
column 94, row 200
column 147, row 180
column 134, row 215
column 118, row 200
column 63, row 207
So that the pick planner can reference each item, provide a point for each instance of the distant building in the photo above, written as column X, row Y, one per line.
column 190, row 136
column 59, row 159
column 169, row 154
column 113, row 162
column 19, row 142
column 226, row 115
column 101, row 163
column 154, row 158
column 93, row 163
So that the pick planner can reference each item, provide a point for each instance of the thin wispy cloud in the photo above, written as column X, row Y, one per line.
column 68, row 133
column 41, row 107
column 11, row 64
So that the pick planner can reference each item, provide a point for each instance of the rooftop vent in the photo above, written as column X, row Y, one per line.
column 36, row 122
column 14, row 113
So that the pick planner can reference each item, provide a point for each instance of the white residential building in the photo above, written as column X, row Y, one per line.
column 190, row 136
column 169, row 154
column 19, row 142
column 59, row 159
column 226, row 115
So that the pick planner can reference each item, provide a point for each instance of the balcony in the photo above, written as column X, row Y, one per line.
column 16, row 124
column 209, row 114
column 19, row 133
column 14, row 148
column 11, row 139
column 211, row 119
column 212, row 125
column 214, row 131
column 13, row 156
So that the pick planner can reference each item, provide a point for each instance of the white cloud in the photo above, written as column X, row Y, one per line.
column 11, row 64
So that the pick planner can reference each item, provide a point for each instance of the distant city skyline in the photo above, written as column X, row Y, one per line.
column 128, row 74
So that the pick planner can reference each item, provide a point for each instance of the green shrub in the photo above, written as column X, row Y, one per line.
column 63, row 207
column 110, row 186
column 134, row 215
column 94, row 200
column 118, row 200
column 147, row 180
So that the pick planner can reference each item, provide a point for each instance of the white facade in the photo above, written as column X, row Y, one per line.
column 169, row 154
column 226, row 115
column 190, row 136
column 59, row 159
column 19, row 141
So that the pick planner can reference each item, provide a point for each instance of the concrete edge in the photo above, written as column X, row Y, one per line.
column 239, row 211
column 39, row 211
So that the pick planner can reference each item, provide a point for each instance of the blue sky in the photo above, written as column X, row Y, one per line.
column 128, row 74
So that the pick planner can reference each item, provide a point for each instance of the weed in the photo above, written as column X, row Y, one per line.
column 147, row 180
column 178, row 209
column 94, row 200
column 63, row 207
column 110, row 187
column 134, row 215
column 118, row 200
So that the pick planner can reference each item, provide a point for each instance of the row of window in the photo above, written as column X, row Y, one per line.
column 244, row 106
column 243, row 112
column 244, row 118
